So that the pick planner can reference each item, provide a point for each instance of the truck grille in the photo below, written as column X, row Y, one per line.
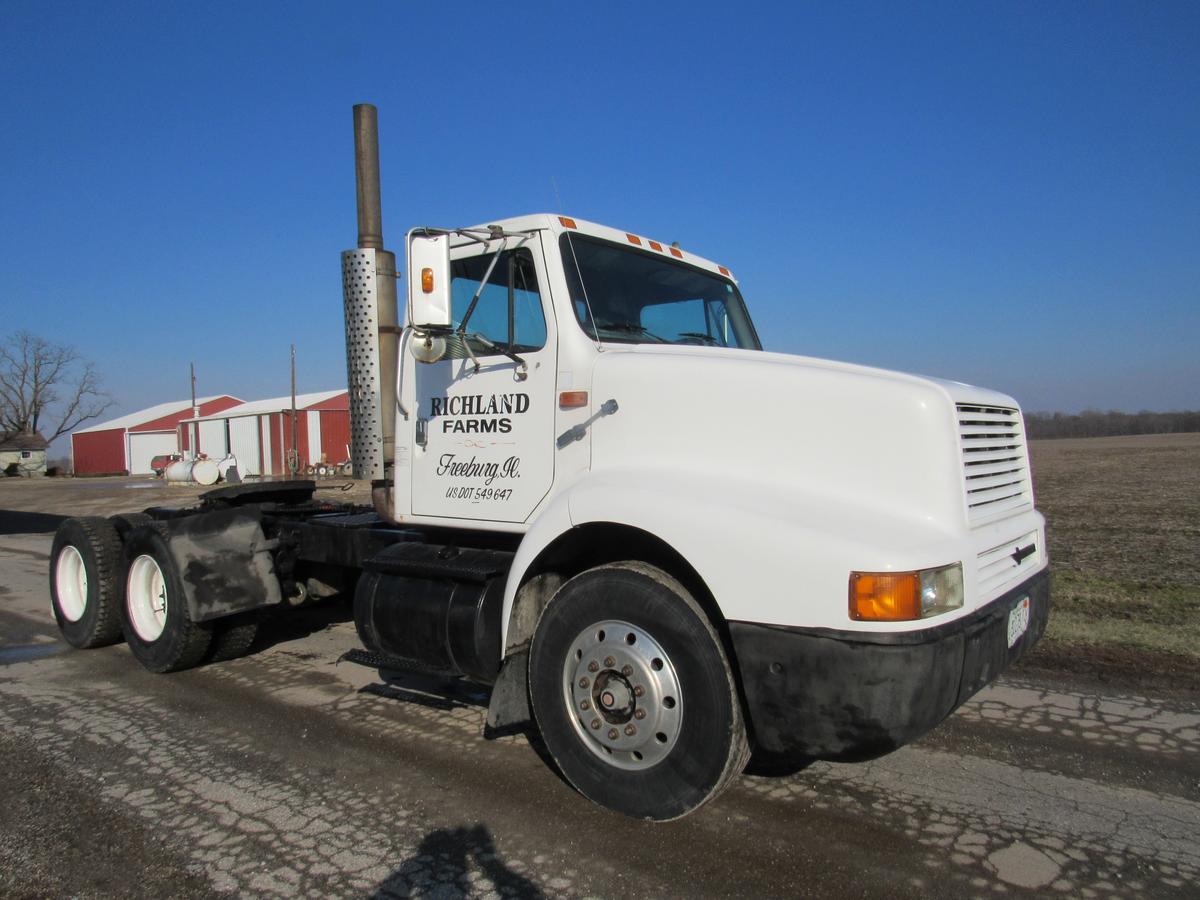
column 995, row 464
column 1007, row 562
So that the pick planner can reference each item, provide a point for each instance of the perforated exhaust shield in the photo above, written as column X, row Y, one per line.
column 360, row 290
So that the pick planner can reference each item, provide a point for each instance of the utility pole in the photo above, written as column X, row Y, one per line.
column 294, row 455
column 194, row 429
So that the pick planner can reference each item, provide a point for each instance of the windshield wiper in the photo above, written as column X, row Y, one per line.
column 630, row 328
column 700, row 336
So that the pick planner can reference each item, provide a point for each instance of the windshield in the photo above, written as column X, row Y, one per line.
column 635, row 296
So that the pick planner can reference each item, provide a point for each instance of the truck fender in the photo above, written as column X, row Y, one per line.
column 802, row 539
column 224, row 561
column 554, row 521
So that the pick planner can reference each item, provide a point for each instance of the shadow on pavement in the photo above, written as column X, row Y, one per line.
column 446, row 859
column 16, row 522
column 286, row 624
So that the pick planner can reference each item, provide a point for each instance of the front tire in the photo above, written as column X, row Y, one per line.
column 85, row 582
column 154, row 616
column 633, row 694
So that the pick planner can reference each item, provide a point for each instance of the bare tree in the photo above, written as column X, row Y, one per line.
column 41, row 382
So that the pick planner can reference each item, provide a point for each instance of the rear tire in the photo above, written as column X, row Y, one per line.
column 633, row 694
column 232, row 638
column 85, row 582
column 154, row 616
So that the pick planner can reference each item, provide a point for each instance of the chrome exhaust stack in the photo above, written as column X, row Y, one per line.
column 369, row 278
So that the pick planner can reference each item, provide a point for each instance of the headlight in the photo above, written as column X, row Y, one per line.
column 904, row 596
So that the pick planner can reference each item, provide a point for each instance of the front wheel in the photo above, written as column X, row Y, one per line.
column 155, row 619
column 633, row 694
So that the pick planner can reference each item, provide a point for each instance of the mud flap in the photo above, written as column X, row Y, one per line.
column 508, row 710
column 225, row 562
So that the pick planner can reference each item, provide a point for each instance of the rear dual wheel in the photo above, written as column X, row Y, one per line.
column 633, row 694
column 154, row 617
column 85, row 581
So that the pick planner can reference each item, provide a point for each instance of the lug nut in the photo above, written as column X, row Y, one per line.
column 630, row 730
column 638, row 691
column 613, row 734
column 627, row 671
column 593, row 666
column 583, row 682
column 585, row 705
column 637, row 713
column 595, row 723
column 609, row 661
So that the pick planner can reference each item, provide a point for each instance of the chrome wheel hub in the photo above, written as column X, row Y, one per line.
column 624, row 695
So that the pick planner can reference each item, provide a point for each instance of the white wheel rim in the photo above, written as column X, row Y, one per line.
column 146, row 598
column 70, row 579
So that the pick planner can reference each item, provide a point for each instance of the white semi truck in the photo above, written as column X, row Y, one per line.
column 663, row 547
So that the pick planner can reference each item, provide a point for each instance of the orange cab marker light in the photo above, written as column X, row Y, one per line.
column 634, row 239
column 567, row 223
column 724, row 271
column 573, row 399
column 677, row 253
column 655, row 245
column 885, row 596
column 427, row 280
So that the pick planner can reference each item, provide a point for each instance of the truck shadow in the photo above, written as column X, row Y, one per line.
column 13, row 521
column 456, row 860
column 284, row 625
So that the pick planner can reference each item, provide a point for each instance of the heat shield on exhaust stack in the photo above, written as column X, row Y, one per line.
column 360, row 290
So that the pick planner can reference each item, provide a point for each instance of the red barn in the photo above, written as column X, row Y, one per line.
column 259, row 434
column 127, row 444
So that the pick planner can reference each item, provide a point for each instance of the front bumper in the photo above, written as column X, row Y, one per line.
column 849, row 695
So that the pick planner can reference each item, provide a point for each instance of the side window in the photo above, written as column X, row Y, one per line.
column 509, row 309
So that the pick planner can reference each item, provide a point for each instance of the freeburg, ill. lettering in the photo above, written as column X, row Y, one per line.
column 464, row 414
column 472, row 468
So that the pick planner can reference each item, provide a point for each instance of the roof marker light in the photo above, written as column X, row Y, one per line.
column 655, row 245
column 567, row 223
column 634, row 239
column 675, row 252
column 724, row 271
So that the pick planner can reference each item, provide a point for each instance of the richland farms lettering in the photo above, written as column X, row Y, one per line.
column 464, row 414
column 478, row 414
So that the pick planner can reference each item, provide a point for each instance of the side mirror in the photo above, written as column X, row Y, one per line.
column 428, row 281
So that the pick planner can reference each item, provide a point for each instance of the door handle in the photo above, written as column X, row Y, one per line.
column 422, row 433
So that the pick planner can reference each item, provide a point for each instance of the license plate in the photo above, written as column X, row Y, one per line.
column 1018, row 621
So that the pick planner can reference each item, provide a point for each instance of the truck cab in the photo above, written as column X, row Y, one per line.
column 865, row 542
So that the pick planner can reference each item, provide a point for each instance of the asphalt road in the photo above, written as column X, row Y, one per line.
column 286, row 773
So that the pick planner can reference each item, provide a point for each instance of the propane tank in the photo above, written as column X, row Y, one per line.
column 178, row 471
column 205, row 471
column 200, row 471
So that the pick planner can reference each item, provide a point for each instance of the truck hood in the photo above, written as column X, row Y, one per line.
column 820, row 431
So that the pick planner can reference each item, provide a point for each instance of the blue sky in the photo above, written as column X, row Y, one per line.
column 1000, row 193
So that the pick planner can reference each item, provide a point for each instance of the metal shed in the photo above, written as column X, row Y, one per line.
column 259, row 433
column 126, row 445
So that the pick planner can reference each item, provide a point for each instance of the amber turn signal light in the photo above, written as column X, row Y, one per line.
column 885, row 596
column 427, row 280
column 573, row 399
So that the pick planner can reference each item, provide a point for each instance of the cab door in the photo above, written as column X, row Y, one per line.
column 484, row 417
